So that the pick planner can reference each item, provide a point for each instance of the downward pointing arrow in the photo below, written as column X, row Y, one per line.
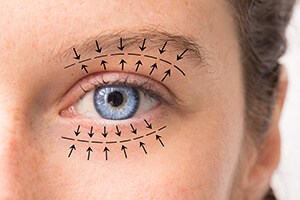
column 77, row 132
column 180, row 56
column 133, row 129
column 104, row 132
column 161, row 51
column 143, row 46
column 91, row 132
column 121, row 47
column 148, row 125
column 98, row 49
column 118, row 132
column 76, row 55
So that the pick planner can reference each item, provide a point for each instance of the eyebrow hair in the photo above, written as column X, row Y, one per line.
column 155, row 39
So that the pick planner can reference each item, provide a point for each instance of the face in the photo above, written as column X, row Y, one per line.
column 51, row 100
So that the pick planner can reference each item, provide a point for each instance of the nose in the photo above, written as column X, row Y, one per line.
column 14, row 167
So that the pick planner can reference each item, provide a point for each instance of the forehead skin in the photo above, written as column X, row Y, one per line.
column 204, row 146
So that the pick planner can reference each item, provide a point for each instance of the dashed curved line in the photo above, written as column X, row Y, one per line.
column 138, row 137
column 148, row 56
column 165, row 61
column 114, row 142
column 83, row 141
column 131, row 54
column 100, row 56
column 66, row 138
column 134, row 54
column 162, row 128
column 151, row 133
column 117, row 54
column 70, row 65
column 82, row 61
column 125, row 141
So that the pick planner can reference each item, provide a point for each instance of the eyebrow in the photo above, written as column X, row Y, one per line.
column 109, row 41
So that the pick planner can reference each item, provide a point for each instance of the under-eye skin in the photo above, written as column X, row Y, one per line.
column 116, row 96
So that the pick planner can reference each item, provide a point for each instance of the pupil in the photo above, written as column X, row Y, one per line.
column 115, row 98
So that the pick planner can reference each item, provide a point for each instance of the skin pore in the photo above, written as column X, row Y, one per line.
column 207, row 153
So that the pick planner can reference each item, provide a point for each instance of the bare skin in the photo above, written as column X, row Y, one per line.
column 205, row 156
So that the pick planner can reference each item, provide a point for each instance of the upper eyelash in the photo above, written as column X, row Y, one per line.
column 140, row 87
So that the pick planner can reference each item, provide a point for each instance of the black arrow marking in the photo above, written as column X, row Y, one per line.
column 179, row 57
column 133, row 129
column 138, row 63
column 124, row 149
column 143, row 46
column 104, row 132
column 122, row 62
column 118, row 132
column 91, row 133
column 77, row 132
column 84, row 67
column 103, row 63
column 167, row 73
column 89, row 150
column 72, row 148
column 106, row 150
column 76, row 55
column 158, row 138
column 154, row 66
column 98, row 49
column 121, row 47
column 148, row 125
column 161, row 51
column 142, row 145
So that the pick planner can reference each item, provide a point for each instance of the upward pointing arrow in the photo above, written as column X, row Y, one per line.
column 122, row 62
column 84, row 67
column 89, row 150
column 106, row 150
column 137, row 65
column 142, row 145
column 103, row 63
column 72, row 148
column 167, row 73
column 124, row 149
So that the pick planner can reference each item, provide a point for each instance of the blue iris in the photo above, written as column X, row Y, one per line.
column 116, row 102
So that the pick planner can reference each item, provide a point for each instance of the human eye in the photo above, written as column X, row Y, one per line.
column 117, row 96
